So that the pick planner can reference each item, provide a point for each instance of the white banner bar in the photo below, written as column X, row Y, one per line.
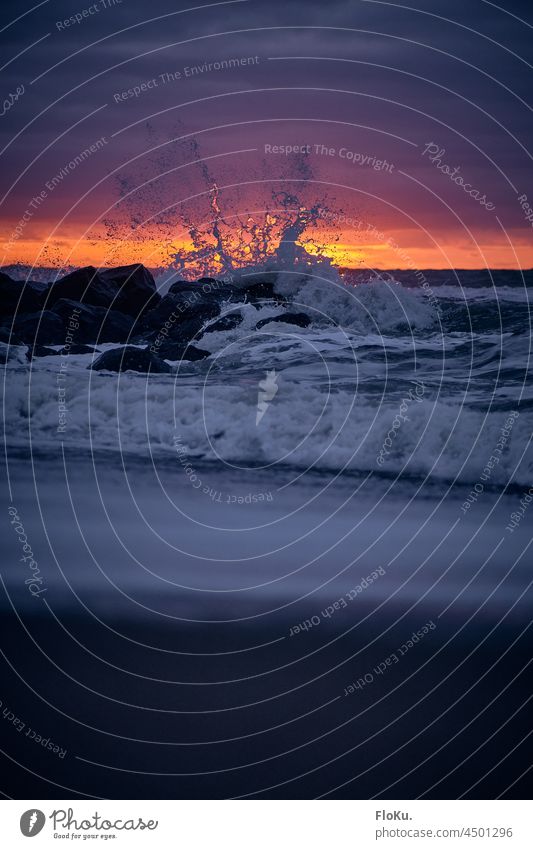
column 267, row 824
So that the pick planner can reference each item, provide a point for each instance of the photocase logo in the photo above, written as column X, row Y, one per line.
column 267, row 391
column 32, row 822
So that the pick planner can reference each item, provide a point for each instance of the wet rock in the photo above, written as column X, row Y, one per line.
column 42, row 351
column 208, row 281
column 181, row 287
column 88, row 324
column 20, row 296
column 13, row 353
column 41, row 328
column 129, row 289
column 178, row 285
column 251, row 290
column 82, row 284
column 227, row 322
column 210, row 289
column 78, row 349
column 7, row 336
column 135, row 287
column 130, row 358
column 298, row 318
column 175, row 352
column 261, row 290
column 178, row 317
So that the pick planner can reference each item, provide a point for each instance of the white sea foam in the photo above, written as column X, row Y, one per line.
column 12, row 353
column 305, row 425
column 341, row 383
column 377, row 307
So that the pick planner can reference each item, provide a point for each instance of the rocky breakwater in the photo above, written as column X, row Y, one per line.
column 87, row 306
column 122, row 305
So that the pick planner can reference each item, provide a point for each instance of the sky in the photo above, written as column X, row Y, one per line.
column 412, row 126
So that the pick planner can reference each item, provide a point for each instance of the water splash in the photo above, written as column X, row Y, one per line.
column 230, row 245
column 207, row 234
column 276, row 238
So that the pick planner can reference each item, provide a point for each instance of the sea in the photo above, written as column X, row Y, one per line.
column 224, row 550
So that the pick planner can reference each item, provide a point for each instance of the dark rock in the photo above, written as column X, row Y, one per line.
column 13, row 353
column 220, row 290
column 41, row 328
column 255, row 290
column 180, row 317
column 70, row 319
column 85, row 285
column 208, row 288
column 95, row 324
column 20, row 296
column 188, row 330
column 8, row 337
column 155, row 318
column 180, row 287
column 78, row 349
column 189, row 305
column 180, row 334
column 298, row 318
column 260, row 291
column 227, row 322
column 177, row 285
column 135, row 286
column 42, row 351
column 259, row 287
column 130, row 359
column 129, row 289
column 174, row 352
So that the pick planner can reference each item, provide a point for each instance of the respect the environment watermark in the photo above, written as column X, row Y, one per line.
column 184, row 73
column 50, row 185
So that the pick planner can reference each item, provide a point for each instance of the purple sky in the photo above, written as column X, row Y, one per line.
column 379, row 81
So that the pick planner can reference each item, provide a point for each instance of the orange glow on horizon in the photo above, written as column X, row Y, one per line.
column 154, row 253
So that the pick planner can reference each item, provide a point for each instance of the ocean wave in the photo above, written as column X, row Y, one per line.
column 345, row 357
column 306, row 426
column 378, row 306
